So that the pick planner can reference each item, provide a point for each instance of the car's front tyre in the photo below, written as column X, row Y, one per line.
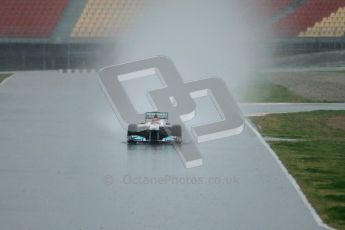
column 176, row 131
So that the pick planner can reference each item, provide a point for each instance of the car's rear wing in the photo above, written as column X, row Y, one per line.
column 160, row 115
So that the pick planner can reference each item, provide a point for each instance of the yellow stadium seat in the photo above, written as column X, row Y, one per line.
column 331, row 26
column 104, row 17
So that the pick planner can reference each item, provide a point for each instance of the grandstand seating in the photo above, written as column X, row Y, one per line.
column 308, row 15
column 332, row 26
column 262, row 10
column 30, row 18
column 269, row 7
column 104, row 18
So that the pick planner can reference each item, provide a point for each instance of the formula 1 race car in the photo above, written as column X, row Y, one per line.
column 155, row 129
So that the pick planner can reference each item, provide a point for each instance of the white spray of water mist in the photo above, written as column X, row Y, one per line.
column 203, row 38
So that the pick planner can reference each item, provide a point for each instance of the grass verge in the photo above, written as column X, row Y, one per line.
column 4, row 76
column 266, row 91
column 318, row 162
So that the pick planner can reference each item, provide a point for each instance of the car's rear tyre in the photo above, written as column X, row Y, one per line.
column 132, row 130
column 177, row 132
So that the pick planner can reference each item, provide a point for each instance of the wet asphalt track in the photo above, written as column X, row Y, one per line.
column 63, row 165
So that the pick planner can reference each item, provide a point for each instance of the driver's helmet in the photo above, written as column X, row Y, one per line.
column 155, row 119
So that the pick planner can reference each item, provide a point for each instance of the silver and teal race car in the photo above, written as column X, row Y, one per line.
column 155, row 129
